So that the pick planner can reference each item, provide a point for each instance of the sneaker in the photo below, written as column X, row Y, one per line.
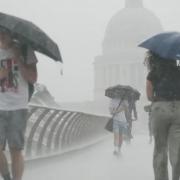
column 117, row 154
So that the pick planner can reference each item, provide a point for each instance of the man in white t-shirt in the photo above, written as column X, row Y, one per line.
column 15, row 74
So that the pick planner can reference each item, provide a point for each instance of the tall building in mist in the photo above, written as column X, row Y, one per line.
column 121, row 61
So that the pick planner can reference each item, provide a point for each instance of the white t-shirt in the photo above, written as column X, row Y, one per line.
column 13, row 89
column 114, row 107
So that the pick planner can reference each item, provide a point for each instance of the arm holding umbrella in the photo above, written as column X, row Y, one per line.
column 132, row 109
column 135, row 111
column 29, row 72
column 28, row 68
column 27, row 65
column 112, row 107
column 127, row 114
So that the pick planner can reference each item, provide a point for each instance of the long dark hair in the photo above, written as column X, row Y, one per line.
column 158, row 64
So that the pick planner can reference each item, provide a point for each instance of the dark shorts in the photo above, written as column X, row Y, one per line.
column 12, row 128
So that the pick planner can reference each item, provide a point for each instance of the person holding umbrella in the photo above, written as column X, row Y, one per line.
column 122, row 104
column 163, row 90
column 133, row 115
column 19, row 38
column 118, row 109
column 15, row 74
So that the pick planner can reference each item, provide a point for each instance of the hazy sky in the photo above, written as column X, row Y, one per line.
column 78, row 27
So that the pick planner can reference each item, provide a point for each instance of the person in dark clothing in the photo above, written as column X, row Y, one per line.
column 163, row 90
column 132, row 116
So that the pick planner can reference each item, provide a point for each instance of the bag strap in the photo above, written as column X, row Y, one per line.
column 120, row 102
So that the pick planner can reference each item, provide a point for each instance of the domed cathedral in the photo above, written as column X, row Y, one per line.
column 121, row 61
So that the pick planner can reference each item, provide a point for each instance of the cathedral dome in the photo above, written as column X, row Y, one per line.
column 128, row 27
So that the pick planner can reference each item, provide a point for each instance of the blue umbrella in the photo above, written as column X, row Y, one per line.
column 166, row 45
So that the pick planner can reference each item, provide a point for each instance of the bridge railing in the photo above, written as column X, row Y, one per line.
column 51, row 131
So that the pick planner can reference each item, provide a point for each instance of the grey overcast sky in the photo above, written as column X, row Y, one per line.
column 78, row 27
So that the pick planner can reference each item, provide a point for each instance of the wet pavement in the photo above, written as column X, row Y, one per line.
column 97, row 162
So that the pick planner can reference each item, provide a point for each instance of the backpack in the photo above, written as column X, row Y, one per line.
column 30, row 85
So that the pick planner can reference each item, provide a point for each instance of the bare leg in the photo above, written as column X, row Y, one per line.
column 17, row 164
column 130, row 130
column 4, row 170
column 116, row 139
column 120, row 141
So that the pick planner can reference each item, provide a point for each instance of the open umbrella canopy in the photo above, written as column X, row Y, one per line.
column 28, row 33
column 166, row 45
column 122, row 91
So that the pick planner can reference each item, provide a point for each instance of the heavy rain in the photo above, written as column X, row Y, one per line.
column 104, row 72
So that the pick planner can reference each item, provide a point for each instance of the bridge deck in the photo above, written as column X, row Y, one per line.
column 97, row 163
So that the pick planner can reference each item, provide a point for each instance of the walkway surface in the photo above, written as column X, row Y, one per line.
column 97, row 163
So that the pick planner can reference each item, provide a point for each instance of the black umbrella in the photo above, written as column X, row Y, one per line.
column 166, row 45
column 122, row 91
column 28, row 33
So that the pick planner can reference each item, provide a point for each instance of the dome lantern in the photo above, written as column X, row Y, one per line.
column 134, row 4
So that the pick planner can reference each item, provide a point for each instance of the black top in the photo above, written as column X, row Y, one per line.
column 166, row 83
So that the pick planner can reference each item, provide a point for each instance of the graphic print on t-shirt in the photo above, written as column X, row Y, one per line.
column 9, row 83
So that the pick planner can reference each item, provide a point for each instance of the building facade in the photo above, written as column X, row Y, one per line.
column 121, row 61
